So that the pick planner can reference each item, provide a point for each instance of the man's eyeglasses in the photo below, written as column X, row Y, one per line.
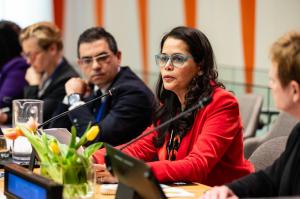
column 100, row 59
column 177, row 60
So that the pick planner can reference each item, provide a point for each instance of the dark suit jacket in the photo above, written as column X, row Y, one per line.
column 282, row 178
column 55, row 92
column 126, row 114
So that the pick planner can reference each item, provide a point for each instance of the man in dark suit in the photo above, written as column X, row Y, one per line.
column 49, row 70
column 126, row 113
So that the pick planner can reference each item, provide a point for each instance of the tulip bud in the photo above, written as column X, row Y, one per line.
column 19, row 131
column 54, row 147
column 32, row 124
column 92, row 133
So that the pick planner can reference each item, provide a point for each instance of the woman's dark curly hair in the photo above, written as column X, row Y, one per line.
column 9, row 41
column 201, row 86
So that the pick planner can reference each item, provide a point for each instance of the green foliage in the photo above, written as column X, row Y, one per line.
column 63, row 163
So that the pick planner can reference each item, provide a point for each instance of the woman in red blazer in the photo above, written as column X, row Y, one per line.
column 205, row 145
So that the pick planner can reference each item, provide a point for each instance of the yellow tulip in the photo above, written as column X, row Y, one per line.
column 92, row 133
column 54, row 147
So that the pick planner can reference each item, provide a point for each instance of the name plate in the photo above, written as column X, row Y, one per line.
column 20, row 182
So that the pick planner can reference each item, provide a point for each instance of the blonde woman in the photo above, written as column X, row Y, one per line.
column 49, row 70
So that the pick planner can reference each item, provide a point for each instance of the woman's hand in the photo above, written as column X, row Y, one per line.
column 221, row 192
column 103, row 175
column 33, row 77
column 3, row 117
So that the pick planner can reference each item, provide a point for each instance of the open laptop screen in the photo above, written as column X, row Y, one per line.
column 133, row 175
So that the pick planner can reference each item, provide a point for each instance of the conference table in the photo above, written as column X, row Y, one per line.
column 195, row 188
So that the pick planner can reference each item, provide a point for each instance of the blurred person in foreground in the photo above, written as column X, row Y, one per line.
column 282, row 178
column 122, row 116
column 12, row 69
column 49, row 70
column 205, row 145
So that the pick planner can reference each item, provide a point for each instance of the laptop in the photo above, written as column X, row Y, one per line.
column 136, row 179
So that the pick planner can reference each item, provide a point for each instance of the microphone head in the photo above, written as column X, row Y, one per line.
column 112, row 91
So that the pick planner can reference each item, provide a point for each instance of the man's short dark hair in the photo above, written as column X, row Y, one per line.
column 94, row 34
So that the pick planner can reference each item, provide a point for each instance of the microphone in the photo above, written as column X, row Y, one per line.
column 108, row 93
column 203, row 102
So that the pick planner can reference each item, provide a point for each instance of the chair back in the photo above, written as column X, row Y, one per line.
column 250, row 108
column 268, row 152
column 282, row 126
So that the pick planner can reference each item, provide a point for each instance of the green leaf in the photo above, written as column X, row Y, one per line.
column 73, row 139
column 88, row 151
column 37, row 143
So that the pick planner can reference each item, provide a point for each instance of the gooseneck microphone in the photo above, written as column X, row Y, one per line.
column 108, row 93
column 203, row 102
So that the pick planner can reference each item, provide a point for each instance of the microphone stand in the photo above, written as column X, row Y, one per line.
column 109, row 92
column 33, row 155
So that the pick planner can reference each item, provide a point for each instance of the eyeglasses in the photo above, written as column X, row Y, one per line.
column 30, row 55
column 177, row 60
column 100, row 59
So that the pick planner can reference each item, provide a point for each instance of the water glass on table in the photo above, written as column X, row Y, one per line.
column 25, row 111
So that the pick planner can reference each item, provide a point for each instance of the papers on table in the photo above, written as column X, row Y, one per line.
column 2, row 196
column 108, row 189
column 62, row 135
column 171, row 192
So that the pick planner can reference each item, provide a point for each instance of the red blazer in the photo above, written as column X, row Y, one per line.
column 210, row 153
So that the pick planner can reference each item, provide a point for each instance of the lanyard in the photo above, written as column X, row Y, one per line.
column 101, row 111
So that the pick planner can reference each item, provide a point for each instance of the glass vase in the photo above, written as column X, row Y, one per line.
column 78, row 181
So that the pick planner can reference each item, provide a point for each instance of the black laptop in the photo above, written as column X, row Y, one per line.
column 135, row 177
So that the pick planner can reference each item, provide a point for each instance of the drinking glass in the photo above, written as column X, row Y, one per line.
column 23, row 111
column 4, row 150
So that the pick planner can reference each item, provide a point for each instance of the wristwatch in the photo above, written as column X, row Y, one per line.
column 73, row 98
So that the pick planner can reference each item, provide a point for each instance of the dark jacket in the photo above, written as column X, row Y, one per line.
column 55, row 92
column 126, row 113
column 282, row 178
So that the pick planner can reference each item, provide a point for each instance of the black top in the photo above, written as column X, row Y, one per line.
column 55, row 91
column 282, row 178
column 125, row 115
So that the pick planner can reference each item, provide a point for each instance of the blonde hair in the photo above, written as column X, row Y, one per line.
column 46, row 33
column 285, row 52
